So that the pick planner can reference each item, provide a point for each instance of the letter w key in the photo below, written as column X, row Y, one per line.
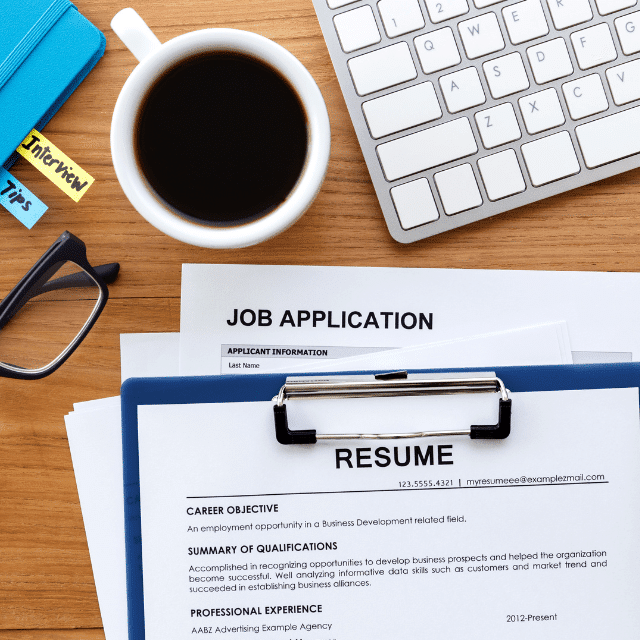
column 481, row 35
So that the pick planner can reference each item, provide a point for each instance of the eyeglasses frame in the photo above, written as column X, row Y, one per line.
column 66, row 248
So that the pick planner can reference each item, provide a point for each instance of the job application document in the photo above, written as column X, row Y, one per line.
column 258, row 318
column 534, row 536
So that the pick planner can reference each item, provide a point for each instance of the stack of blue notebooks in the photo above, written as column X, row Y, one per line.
column 46, row 49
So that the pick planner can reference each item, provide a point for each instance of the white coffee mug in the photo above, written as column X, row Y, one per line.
column 154, row 59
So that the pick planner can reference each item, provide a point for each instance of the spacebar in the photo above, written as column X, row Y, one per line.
column 426, row 149
column 610, row 138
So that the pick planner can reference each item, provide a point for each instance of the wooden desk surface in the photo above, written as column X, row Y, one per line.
column 46, row 584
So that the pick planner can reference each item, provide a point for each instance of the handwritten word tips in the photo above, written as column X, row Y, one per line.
column 19, row 201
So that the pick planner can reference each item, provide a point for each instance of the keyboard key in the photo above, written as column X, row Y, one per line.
column 481, row 4
column 414, row 203
column 506, row 75
column 606, row 7
column 550, row 159
column 481, row 35
column 382, row 68
column 541, row 111
column 585, row 96
column 593, row 46
column 525, row 21
column 402, row 110
column 628, row 28
column 605, row 140
column 462, row 89
column 501, row 175
column 567, row 13
column 426, row 149
column 400, row 16
column 458, row 189
column 357, row 29
column 550, row 60
column 437, row 50
column 498, row 125
column 624, row 81
column 440, row 10
column 336, row 4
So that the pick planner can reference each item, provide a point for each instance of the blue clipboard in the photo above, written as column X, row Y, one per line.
column 254, row 388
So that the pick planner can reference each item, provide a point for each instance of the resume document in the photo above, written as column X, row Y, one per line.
column 535, row 536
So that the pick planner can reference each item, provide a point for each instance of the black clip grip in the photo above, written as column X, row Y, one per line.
column 284, row 435
column 495, row 431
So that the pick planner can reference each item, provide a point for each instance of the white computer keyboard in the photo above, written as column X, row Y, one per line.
column 468, row 108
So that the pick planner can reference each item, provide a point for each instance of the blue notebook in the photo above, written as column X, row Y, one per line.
column 46, row 49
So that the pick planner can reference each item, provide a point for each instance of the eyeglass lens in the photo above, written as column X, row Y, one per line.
column 50, row 320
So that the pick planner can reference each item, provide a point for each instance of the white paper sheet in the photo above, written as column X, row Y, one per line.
column 96, row 405
column 599, row 308
column 544, row 344
column 531, row 537
column 95, row 441
column 147, row 355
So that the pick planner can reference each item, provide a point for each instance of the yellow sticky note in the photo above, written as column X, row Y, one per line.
column 58, row 167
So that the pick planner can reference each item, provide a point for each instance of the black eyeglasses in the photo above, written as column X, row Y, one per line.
column 51, row 310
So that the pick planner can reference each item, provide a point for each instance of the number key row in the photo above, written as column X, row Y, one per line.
column 480, row 35
column 403, row 16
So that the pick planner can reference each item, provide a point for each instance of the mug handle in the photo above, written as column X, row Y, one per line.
column 135, row 33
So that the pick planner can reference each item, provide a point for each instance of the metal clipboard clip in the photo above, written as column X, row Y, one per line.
column 396, row 383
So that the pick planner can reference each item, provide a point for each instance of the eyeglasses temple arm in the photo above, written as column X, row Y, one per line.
column 108, row 272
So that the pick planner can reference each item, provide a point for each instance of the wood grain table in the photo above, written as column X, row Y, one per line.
column 46, row 584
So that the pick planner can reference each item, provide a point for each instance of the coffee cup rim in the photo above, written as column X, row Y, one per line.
column 159, row 213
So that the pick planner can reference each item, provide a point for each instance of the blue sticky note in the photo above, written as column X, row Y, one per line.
column 19, row 201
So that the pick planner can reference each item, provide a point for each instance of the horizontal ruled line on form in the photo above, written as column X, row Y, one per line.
column 313, row 493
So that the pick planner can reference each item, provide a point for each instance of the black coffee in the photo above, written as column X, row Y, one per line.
column 222, row 138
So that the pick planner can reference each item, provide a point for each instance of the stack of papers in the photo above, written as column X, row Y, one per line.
column 261, row 319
